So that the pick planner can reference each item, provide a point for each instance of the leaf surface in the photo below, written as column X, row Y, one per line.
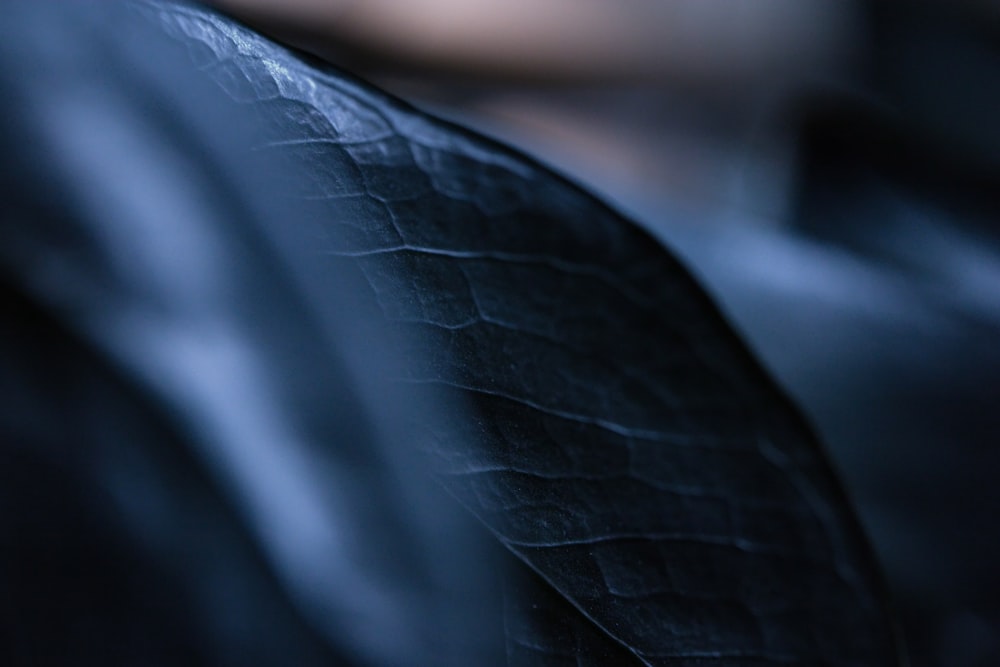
column 671, row 504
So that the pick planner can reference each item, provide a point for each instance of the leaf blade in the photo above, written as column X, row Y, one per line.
column 624, row 444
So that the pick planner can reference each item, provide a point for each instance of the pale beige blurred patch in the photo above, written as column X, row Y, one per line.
column 648, row 102
column 717, row 41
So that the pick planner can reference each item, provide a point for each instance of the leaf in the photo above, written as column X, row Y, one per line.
column 201, row 462
column 624, row 445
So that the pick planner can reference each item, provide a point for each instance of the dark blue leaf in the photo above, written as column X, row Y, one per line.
column 623, row 445
column 249, row 286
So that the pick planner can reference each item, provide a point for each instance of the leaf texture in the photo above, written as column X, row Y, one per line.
column 670, row 505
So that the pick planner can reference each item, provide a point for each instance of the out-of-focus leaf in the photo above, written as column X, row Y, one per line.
column 672, row 505
column 201, row 462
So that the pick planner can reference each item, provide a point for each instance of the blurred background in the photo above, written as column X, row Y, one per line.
column 830, row 169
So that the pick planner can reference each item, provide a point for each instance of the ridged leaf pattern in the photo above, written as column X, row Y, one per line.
column 671, row 503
